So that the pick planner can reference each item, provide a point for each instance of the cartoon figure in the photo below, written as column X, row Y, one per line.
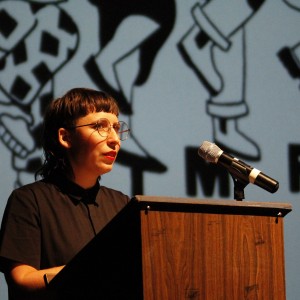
column 32, row 51
column 290, row 55
column 131, row 34
column 214, row 48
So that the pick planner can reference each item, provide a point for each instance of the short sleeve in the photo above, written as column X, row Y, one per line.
column 20, row 235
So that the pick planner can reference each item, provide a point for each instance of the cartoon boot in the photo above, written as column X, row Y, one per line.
column 226, row 132
column 210, row 30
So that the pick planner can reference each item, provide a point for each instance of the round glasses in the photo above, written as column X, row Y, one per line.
column 104, row 127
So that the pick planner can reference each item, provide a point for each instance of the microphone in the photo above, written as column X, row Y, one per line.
column 212, row 153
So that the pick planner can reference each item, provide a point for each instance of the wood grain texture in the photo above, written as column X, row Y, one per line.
column 212, row 256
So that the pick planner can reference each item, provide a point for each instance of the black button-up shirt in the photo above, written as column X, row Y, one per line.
column 47, row 222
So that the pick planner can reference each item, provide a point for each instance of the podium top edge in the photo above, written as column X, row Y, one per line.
column 277, row 207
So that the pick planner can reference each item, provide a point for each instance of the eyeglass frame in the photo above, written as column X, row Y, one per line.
column 109, row 128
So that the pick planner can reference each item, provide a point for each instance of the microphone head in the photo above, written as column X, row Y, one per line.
column 209, row 151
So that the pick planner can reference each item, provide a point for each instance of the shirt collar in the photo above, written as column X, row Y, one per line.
column 74, row 191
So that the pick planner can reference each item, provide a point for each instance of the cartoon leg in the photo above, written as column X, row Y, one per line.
column 209, row 31
column 115, row 69
column 105, row 68
column 229, row 107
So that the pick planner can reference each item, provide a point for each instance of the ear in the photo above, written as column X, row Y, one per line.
column 64, row 138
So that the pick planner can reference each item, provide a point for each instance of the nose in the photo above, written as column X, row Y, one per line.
column 113, row 136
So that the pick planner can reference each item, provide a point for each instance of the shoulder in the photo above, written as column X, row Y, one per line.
column 32, row 188
column 24, row 190
column 110, row 203
column 114, row 194
column 32, row 193
column 33, row 185
column 112, row 199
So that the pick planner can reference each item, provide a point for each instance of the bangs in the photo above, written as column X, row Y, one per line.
column 88, row 101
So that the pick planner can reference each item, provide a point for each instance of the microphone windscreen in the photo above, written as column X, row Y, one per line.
column 209, row 151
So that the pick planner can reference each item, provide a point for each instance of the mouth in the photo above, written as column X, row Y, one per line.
column 12, row 142
column 111, row 155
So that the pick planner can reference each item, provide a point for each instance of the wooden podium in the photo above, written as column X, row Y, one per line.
column 163, row 248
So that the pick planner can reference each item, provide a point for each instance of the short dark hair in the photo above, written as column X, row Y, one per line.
column 63, row 112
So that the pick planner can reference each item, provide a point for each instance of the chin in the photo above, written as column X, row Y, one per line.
column 106, row 170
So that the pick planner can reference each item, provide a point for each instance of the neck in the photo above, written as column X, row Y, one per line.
column 85, row 182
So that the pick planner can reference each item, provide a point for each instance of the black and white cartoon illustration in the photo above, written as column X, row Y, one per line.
column 290, row 54
column 128, row 44
column 32, row 51
column 182, row 72
column 215, row 49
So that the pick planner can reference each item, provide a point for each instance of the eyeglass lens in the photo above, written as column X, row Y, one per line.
column 121, row 128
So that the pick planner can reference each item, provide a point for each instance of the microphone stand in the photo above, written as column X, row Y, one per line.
column 239, row 186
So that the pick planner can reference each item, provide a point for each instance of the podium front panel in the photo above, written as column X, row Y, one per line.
column 189, row 254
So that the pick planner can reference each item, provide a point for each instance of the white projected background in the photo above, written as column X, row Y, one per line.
column 237, row 85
